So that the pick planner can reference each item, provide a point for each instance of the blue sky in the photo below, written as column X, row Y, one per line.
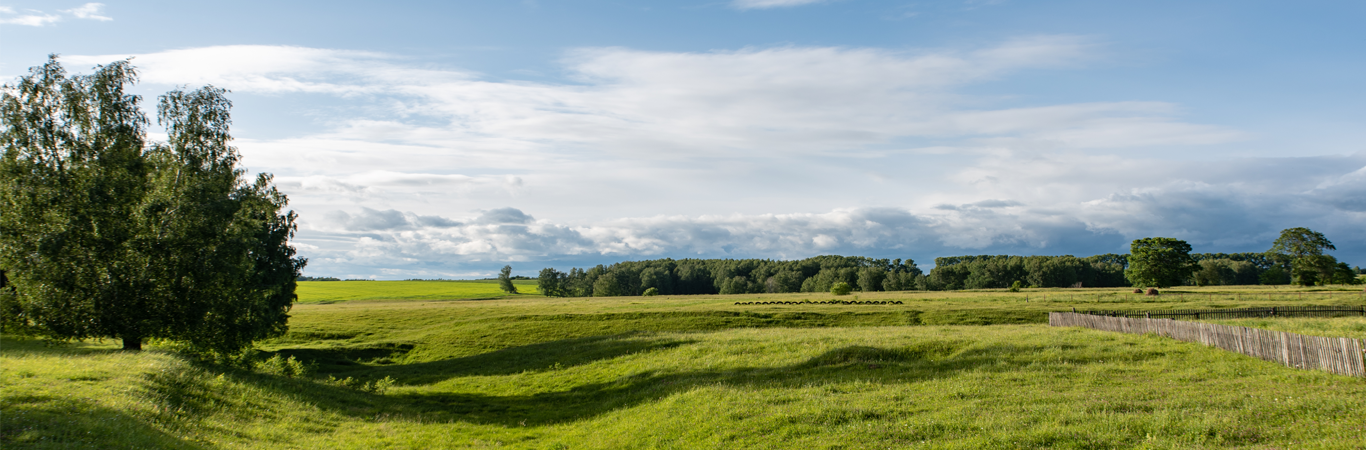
column 446, row 139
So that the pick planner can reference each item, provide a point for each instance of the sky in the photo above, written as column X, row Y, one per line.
column 446, row 139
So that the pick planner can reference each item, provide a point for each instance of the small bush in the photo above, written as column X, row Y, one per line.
column 651, row 292
column 841, row 288
column 1015, row 287
column 285, row 367
column 378, row 387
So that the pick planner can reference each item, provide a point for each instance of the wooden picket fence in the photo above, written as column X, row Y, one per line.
column 1344, row 356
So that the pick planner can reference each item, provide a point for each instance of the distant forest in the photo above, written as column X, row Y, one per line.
column 818, row 274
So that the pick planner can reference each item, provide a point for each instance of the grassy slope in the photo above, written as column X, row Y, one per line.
column 335, row 291
column 689, row 372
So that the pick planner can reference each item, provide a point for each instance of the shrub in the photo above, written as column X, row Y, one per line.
column 840, row 288
column 285, row 367
column 1015, row 287
column 651, row 292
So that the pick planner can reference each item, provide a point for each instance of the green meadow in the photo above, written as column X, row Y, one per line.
column 342, row 291
column 942, row 370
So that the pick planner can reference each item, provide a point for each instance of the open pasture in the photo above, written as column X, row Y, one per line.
column 341, row 291
column 1351, row 327
column 692, row 372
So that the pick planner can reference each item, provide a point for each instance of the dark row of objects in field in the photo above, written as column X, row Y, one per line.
column 863, row 274
column 827, row 302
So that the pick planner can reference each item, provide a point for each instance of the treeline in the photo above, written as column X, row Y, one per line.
column 1002, row 271
column 1214, row 269
column 731, row 276
column 819, row 274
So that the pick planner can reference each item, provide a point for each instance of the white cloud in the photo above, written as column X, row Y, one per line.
column 89, row 11
column 765, row 4
column 787, row 100
column 35, row 18
column 1222, row 216
column 778, row 152
column 27, row 18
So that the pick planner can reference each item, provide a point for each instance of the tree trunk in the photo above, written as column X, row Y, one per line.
column 132, row 343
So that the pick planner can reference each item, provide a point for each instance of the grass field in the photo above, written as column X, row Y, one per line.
column 943, row 370
column 340, row 291
column 1352, row 327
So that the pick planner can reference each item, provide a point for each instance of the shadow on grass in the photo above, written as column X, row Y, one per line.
column 542, row 357
column 928, row 360
column 19, row 346
column 925, row 361
column 377, row 361
column 42, row 422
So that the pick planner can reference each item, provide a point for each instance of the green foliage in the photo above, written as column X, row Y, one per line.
column 377, row 387
column 1274, row 276
column 103, row 234
column 284, row 367
column 1015, row 287
column 1302, row 249
column 651, row 292
column 840, row 288
column 1262, row 260
column 870, row 279
column 552, row 283
column 1001, row 271
column 607, row 285
column 505, row 280
column 730, row 276
column 1343, row 274
column 1226, row 272
column 1160, row 262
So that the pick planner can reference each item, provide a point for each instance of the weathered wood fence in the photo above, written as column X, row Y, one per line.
column 1344, row 356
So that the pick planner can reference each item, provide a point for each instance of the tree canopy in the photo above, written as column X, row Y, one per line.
column 1302, row 249
column 505, row 280
column 104, row 234
column 730, row 276
column 1159, row 262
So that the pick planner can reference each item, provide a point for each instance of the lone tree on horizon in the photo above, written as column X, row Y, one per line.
column 1159, row 262
column 1302, row 249
column 505, row 280
column 106, row 235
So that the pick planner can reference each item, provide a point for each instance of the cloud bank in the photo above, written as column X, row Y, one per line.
column 782, row 152
column 1226, row 217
